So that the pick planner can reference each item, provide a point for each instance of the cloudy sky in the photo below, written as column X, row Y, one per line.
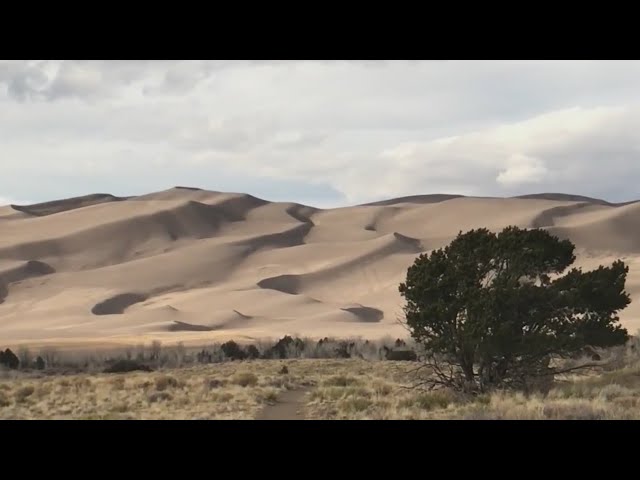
column 319, row 132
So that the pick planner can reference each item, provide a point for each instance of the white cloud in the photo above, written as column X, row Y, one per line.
column 74, row 79
column 566, row 149
column 522, row 169
column 358, row 131
column 4, row 201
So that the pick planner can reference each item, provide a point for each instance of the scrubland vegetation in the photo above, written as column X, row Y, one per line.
column 333, row 388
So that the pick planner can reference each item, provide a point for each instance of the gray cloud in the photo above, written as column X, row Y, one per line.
column 352, row 131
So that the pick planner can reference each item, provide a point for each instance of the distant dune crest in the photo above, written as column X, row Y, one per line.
column 60, row 206
column 193, row 265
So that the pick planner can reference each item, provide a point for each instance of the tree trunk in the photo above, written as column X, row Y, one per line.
column 467, row 370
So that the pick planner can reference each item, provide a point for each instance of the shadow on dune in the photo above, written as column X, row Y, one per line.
column 417, row 199
column 366, row 314
column 118, row 304
column 301, row 213
column 30, row 269
column 283, row 283
column 382, row 247
column 235, row 320
column 292, row 237
column 59, row 206
column 564, row 197
column 188, row 327
column 547, row 217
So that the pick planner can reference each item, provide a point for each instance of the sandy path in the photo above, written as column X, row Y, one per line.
column 289, row 406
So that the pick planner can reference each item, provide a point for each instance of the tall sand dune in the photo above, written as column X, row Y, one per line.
column 59, row 206
column 197, row 266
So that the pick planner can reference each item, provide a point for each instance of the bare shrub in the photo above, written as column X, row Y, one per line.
column 164, row 382
column 356, row 404
column 121, row 407
column 213, row 383
column 433, row 400
column 245, row 379
column 125, row 366
column 24, row 392
column 118, row 383
column 573, row 410
column 341, row 381
column 155, row 397
column 24, row 355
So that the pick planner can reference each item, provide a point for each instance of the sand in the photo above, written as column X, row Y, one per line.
column 194, row 266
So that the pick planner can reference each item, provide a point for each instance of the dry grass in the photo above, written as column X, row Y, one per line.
column 245, row 379
column 338, row 389
column 221, row 391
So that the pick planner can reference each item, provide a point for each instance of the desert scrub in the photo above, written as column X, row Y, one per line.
column 627, row 403
column 590, row 387
column 281, row 382
column 356, row 404
column 43, row 391
column 221, row 397
column 579, row 389
column 612, row 391
column 117, row 383
column 341, row 381
column 267, row 395
column 155, row 397
column 382, row 388
column 330, row 394
column 23, row 393
column 120, row 407
column 505, row 406
column 245, row 379
column 144, row 384
column 345, row 389
column 81, row 383
column 428, row 400
column 165, row 382
column 342, row 402
column 4, row 400
column 214, row 383
column 575, row 409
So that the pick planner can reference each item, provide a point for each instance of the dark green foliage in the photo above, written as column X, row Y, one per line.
column 233, row 351
column 204, row 357
column 252, row 352
column 400, row 354
column 343, row 350
column 286, row 347
column 124, row 366
column 488, row 307
column 39, row 363
column 9, row 359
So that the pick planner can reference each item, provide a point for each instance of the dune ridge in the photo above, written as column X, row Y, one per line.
column 192, row 265
column 59, row 206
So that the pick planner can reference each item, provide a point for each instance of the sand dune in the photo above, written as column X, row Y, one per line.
column 195, row 266
column 59, row 206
